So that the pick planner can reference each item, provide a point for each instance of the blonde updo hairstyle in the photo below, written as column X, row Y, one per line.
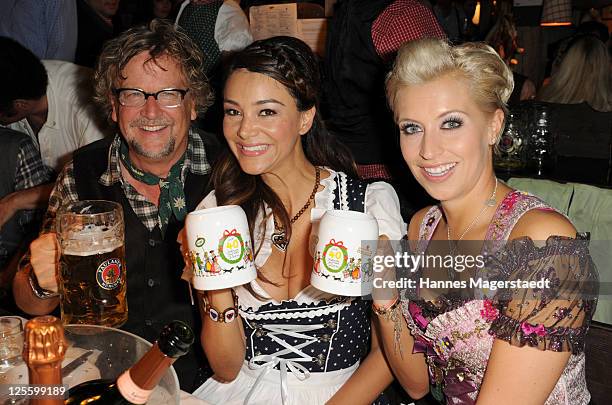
column 489, row 79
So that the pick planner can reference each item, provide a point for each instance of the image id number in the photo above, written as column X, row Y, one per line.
column 34, row 391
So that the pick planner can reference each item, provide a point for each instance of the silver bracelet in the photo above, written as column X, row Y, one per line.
column 37, row 289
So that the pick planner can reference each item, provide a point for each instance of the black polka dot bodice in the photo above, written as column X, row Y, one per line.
column 349, row 193
column 322, row 336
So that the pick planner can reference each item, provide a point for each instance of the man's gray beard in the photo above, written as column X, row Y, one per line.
column 165, row 152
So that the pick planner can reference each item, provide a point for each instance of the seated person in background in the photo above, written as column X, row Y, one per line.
column 51, row 102
column 21, row 169
column 154, row 9
column 521, row 346
column 580, row 93
column 217, row 26
column 557, row 49
column 285, row 170
column 48, row 100
column 502, row 37
column 584, row 75
column 452, row 19
column 150, row 82
column 46, row 27
column 97, row 22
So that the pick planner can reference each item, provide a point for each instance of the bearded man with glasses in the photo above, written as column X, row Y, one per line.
column 149, row 82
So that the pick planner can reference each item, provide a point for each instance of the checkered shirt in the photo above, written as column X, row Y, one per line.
column 65, row 188
column 400, row 22
column 375, row 171
column 31, row 171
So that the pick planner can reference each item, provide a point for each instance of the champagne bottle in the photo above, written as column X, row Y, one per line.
column 44, row 349
column 135, row 385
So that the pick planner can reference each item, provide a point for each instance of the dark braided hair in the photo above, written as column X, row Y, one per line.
column 290, row 62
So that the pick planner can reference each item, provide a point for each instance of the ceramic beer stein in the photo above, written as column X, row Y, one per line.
column 220, row 248
column 343, row 258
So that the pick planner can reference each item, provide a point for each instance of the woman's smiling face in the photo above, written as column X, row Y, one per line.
column 262, row 123
column 445, row 136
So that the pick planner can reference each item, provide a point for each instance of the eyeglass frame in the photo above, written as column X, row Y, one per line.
column 182, row 92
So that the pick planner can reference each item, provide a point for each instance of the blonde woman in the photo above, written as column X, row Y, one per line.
column 522, row 347
column 584, row 75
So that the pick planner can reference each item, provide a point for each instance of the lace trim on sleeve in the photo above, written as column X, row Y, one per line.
column 295, row 311
column 324, row 199
column 555, row 318
column 344, row 205
column 517, row 333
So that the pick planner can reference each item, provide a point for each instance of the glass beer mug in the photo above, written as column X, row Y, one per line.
column 92, row 263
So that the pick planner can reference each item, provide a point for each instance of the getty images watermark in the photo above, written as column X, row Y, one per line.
column 563, row 268
column 406, row 263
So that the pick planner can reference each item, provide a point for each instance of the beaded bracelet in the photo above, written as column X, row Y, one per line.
column 226, row 316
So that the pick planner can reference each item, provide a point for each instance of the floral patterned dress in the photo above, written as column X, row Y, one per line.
column 456, row 334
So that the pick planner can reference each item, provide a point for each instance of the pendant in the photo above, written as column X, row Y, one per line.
column 490, row 202
column 279, row 240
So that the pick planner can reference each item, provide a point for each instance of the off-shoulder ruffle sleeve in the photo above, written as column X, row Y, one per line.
column 555, row 318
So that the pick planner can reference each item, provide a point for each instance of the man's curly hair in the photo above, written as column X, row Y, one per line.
column 159, row 38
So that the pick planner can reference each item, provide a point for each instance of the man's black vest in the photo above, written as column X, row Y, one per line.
column 155, row 292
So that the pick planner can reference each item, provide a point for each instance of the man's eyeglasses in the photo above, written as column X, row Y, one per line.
column 137, row 98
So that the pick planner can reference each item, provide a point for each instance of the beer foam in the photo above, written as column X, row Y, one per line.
column 87, row 248
column 90, row 231
column 91, row 240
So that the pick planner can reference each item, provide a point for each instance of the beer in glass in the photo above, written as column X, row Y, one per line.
column 92, row 264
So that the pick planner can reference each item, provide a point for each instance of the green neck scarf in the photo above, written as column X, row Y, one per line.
column 172, row 195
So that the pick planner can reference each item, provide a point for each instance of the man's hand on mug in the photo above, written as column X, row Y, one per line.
column 184, row 248
column 44, row 258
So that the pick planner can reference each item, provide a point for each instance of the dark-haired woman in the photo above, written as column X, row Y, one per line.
column 291, row 344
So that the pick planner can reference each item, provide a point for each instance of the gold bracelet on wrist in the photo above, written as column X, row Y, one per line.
column 385, row 311
column 391, row 314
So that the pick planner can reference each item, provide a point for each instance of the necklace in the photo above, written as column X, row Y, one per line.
column 490, row 202
column 279, row 236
